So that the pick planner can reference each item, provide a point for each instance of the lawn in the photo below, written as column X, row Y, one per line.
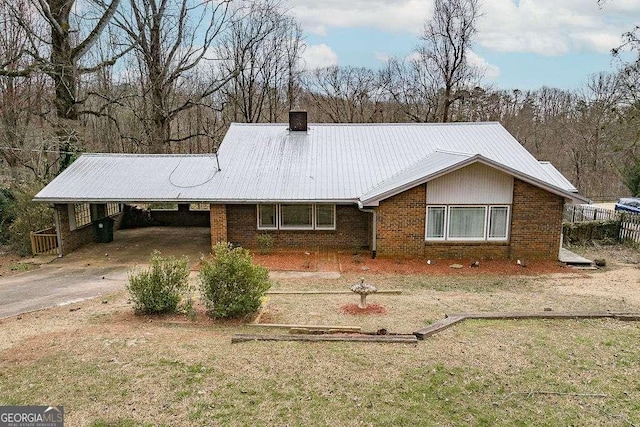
column 109, row 367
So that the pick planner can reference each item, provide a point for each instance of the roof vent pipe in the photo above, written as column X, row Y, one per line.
column 298, row 120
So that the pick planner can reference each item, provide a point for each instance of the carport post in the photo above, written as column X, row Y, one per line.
column 56, row 219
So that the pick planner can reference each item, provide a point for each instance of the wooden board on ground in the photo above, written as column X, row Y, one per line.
column 535, row 315
column 339, row 328
column 439, row 326
column 452, row 319
column 379, row 292
column 399, row 339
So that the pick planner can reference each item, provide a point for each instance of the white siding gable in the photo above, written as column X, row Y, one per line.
column 473, row 184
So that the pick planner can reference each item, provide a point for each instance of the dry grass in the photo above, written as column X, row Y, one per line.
column 110, row 367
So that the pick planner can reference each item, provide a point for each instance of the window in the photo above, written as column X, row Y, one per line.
column 498, row 222
column 113, row 209
column 81, row 214
column 466, row 222
column 267, row 217
column 435, row 222
column 326, row 217
column 296, row 216
column 475, row 223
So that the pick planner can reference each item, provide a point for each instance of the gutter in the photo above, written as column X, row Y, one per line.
column 375, row 230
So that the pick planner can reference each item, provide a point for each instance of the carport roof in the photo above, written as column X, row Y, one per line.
column 346, row 163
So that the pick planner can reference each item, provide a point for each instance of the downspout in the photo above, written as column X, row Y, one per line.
column 374, row 227
column 56, row 218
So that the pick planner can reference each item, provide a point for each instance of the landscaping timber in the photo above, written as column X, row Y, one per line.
column 338, row 328
column 388, row 292
column 398, row 339
column 439, row 326
column 452, row 319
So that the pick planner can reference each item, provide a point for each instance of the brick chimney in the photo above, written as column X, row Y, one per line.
column 298, row 120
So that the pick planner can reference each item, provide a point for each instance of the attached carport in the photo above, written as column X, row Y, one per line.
column 129, row 191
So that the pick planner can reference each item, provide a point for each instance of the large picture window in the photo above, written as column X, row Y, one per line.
column 297, row 216
column 474, row 223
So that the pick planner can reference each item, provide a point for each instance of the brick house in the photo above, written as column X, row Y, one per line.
column 456, row 190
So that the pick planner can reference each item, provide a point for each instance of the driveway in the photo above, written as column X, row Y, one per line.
column 97, row 268
column 57, row 285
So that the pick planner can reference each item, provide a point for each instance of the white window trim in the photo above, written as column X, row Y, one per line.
column 499, row 239
column 314, row 218
column 277, row 217
column 485, row 237
column 467, row 239
column 297, row 227
column 446, row 224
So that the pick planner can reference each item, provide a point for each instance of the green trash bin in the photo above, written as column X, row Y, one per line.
column 104, row 229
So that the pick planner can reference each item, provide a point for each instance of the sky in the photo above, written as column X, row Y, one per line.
column 520, row 44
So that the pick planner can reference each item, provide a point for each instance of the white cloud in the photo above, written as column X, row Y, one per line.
column 386, row 15
column 546, row 27
column 319, row 56
column 490, row 71
column 554, row 27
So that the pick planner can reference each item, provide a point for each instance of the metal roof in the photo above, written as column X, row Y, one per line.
column 330, row 162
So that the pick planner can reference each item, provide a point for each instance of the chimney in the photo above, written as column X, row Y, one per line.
column 298, row 121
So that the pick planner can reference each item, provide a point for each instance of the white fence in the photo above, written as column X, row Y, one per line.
column 629, row 221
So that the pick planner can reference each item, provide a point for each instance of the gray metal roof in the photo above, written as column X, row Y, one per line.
column 330, row 162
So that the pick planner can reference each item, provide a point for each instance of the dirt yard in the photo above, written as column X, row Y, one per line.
column 109, row 367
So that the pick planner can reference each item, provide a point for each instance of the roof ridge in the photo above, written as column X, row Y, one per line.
column 448, row 124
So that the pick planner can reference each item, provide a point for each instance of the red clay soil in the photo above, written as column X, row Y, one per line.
column 347, row 262
column 355, row 310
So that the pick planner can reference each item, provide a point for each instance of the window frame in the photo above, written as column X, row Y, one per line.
column 297, row 227
column 507, row 228
column 81, row 217
column 487, row 217
column 467, row 239
column 314, row 218
column 444, row 224
column 276, row 217
column 333, row 216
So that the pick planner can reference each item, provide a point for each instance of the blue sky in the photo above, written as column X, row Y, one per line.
column 522, row 44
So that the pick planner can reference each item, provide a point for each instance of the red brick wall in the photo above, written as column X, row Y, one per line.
column 536, row 222
column 351, row 230
column 401, row 224
column 484, row 250
column 72, row 240
column 219, row 224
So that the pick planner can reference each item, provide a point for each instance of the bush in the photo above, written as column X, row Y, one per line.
column 265, row 243
column 27, row 216
column 231, row 285
column 160, row 288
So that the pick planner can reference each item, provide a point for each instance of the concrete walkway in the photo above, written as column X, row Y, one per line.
column 571, row 258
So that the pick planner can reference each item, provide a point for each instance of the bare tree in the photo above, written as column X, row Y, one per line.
column 411, row 88
column 178, row 67
column 343, row 94
column 269, row 74
column 447, row 39
column 59, row 55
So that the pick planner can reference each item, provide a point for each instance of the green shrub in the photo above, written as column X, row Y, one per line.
column 231, row 285
column 160, row 288
column 265, row 243
column 27, row 216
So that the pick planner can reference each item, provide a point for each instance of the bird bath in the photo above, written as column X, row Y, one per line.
column 363, row 289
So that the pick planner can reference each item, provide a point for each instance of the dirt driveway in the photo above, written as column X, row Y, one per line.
column 96, row 269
